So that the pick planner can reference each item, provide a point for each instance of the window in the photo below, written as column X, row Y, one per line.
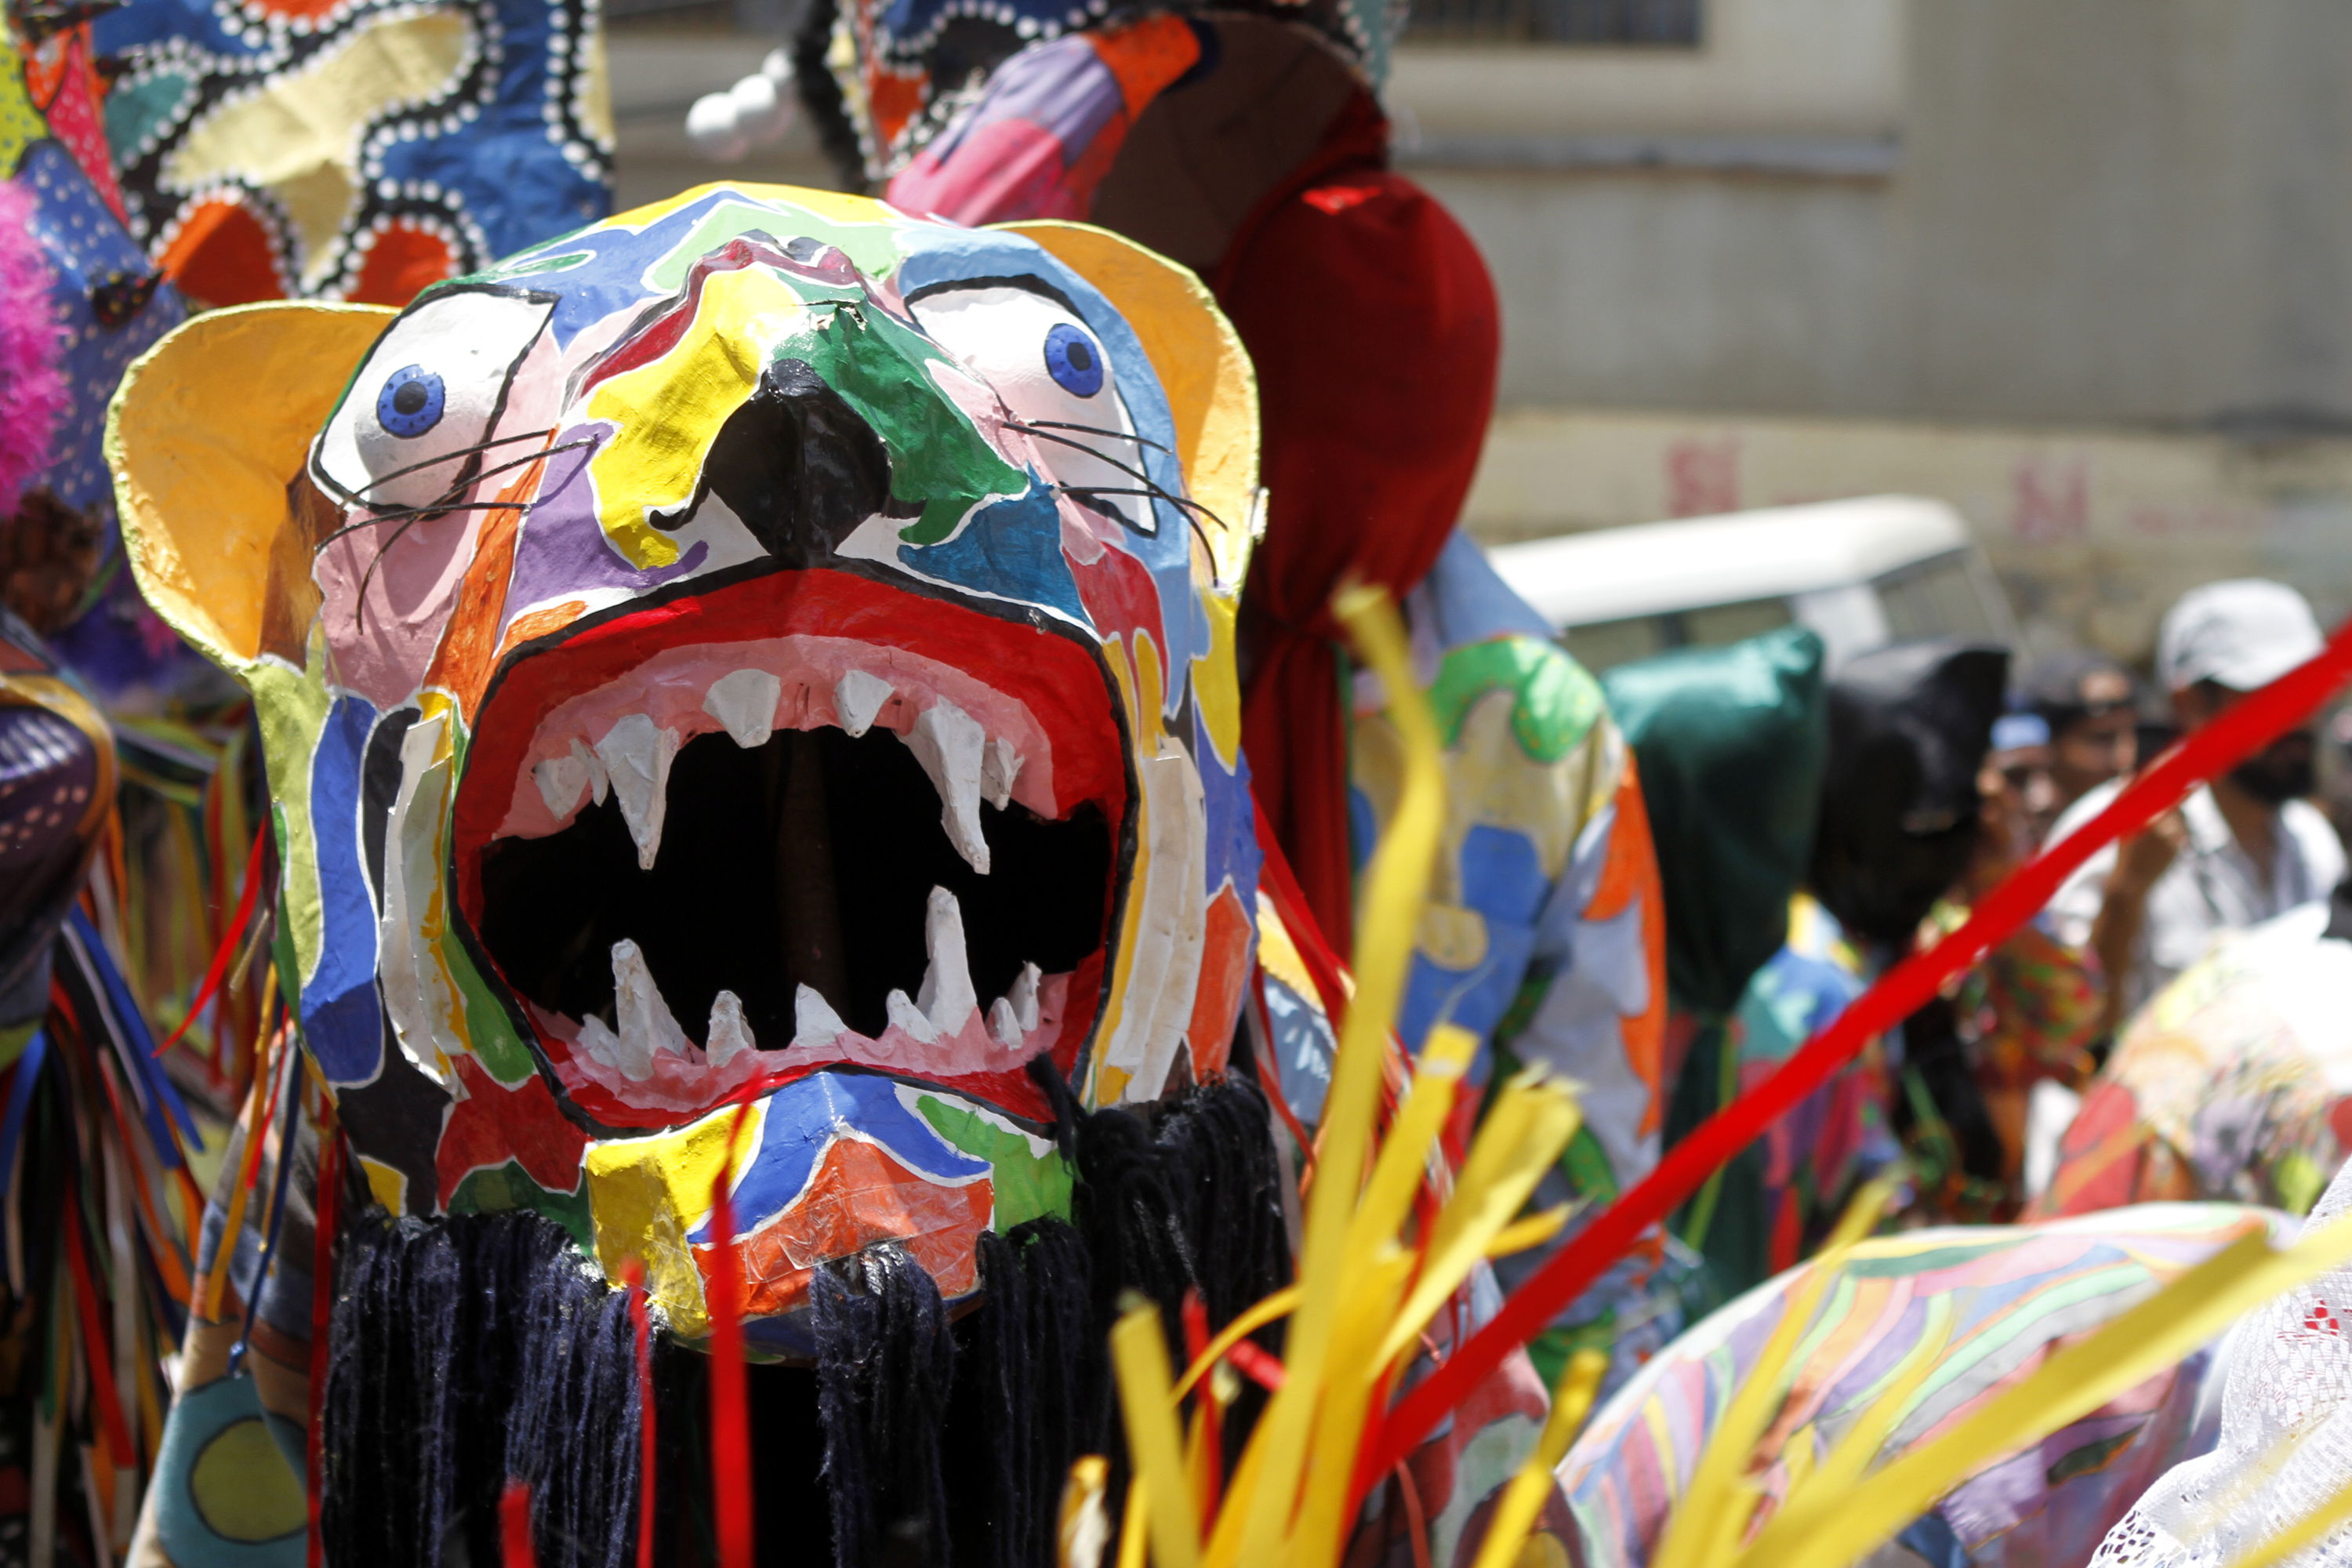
column 1557, row 21
column 1607, row 644
column 1937, row 598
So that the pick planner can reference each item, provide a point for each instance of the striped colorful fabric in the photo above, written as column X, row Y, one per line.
column 1999, row 1299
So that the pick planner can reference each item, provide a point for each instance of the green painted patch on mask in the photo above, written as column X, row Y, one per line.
column 872, row 248
column 503, row 1189
column 1028, row 1184
column 1554, row 702
column 938, row 461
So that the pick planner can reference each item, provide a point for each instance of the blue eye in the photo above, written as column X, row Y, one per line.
column 410, row 403
column 1073, row 361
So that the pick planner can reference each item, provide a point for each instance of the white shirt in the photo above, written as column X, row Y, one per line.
column 2212, row 886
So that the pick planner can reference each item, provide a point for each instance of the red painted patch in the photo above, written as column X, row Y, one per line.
column 404, row 262
column 1218, row 1003
column 493, row 1124
column 859, row 1196
column 223, row 255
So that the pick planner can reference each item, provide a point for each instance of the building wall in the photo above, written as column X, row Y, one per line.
column 2105, row 211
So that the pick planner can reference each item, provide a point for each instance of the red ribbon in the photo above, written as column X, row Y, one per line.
column 730, row 1420
column 514, row 1525
column 229, row 940
column 642, row 1322
column 2245, row 729
column 98, row 1360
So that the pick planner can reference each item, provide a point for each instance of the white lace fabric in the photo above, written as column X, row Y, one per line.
column 2286, row 1436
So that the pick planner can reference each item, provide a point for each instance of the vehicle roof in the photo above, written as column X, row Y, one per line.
column 1610, row 574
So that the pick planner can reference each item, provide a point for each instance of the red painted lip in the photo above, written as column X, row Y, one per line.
column 1058, row 677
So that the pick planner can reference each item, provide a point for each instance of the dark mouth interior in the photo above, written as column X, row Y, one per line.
column 809, row 860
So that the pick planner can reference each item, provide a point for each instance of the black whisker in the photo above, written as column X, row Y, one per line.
column 1035, row 426
column 1183, row 503
column 1095, row 453
column 443, row 503
column 378, row 481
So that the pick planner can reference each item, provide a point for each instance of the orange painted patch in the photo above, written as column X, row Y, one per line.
column 542, row 622
column 404, row 262
column 308, row 10
column 462, row 664
column 860, row 1195
column 1144, row 58
column 223, row 255
column 1631, row 872
column 895, row 100
column 1218, row 1002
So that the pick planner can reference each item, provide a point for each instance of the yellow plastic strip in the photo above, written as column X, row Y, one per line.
column 2303, row 1533
column 1354, row 1373
column 1532, row 1231
column 1831, row 1529
column 1706, row 1529
column 1134, row 1537
column 1138, row 1352
column 1845, row 1462
column 1526, row 1129
column 1403, row 1162
column 1394, row 891
column 1523, row 1500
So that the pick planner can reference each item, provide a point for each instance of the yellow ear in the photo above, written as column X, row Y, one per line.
column 207, row 432
column 1212, row 390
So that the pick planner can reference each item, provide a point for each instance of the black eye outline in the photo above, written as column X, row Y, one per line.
column 1074, row 360
column 406, row 417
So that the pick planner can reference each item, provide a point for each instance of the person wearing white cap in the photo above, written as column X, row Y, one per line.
column 2237, row 851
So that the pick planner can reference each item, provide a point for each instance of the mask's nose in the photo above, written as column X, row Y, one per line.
column 798, row 465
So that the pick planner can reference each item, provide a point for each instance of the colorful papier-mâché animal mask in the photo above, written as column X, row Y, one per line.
column 761, row 649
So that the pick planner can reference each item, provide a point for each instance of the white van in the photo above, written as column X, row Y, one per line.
column 1861, row 573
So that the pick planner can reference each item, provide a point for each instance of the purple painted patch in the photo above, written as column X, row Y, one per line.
column 564, row 550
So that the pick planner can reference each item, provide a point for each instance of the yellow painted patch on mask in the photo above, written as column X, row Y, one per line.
column 386, row 1185
column 301, row 140
column 645, row 1193
column 1215, row 687
column 669, row 412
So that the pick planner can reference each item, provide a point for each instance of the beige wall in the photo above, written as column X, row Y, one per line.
column 2110, row 211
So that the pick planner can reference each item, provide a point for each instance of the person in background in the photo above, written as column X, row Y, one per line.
column 2240, row 851
column 2088, row 704
column 2019, row 784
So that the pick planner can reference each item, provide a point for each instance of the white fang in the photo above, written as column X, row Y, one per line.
column 856, row 698
column 745, row 703
column 998, row 766
column 948, row 742
column 638, row 756
column 947, row 998
column 729, row 1034
column 815, row 1023
column 646, row 1026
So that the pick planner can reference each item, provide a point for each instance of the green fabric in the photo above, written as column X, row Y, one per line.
column 1554, row 702
column 1731, row 742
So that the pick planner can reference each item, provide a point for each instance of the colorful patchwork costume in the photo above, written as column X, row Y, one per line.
column 1988, row 1304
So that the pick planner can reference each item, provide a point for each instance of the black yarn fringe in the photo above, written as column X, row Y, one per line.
column 950, row 1443
column 469, row 1349
column 462, row 1352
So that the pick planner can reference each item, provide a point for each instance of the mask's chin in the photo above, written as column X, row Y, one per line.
column 804, row 821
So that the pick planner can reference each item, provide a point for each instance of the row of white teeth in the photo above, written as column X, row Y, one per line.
column 939, row 1011
column 965, row 764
